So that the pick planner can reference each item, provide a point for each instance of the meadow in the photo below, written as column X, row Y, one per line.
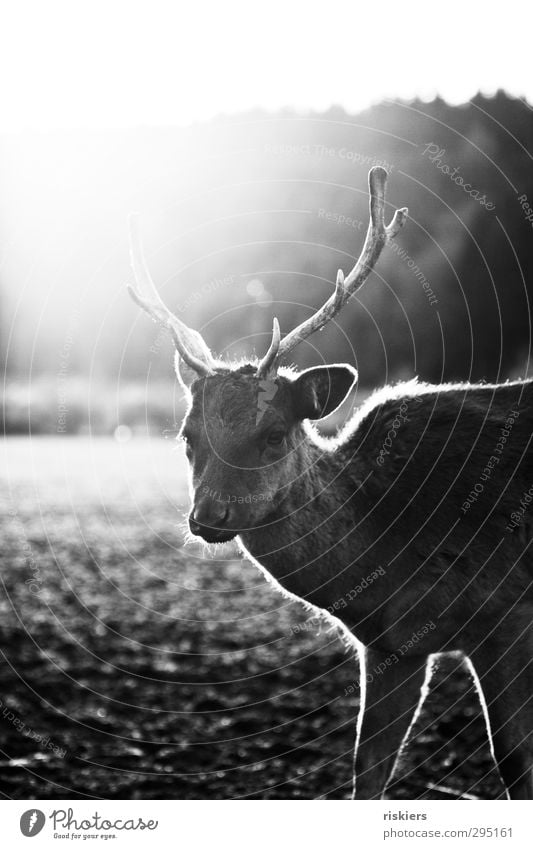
column 134, row 665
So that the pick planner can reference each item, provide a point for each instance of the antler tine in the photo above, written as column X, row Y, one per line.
column 189, row 343
column 378, row 234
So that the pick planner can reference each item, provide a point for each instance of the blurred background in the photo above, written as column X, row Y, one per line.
column 249, row 217
column 134, row 666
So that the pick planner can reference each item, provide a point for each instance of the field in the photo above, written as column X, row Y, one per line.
column 133, row 666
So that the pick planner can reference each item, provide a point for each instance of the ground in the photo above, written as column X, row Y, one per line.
column 134, row 666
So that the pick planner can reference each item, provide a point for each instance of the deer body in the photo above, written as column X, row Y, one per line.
column 346, row 515
column 427, row 488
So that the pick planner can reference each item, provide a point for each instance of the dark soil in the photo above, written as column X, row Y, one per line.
column 151, row 670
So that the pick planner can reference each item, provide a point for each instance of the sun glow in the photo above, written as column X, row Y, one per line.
column 117, row 64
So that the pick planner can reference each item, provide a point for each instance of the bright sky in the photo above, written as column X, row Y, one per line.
column 68, row 63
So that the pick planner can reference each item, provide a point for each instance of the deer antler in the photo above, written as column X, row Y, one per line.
column 189, row 343
column 266, row 364
column 378, row 234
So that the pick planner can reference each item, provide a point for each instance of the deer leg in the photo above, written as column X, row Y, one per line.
column 503, row 667
column 390, row 694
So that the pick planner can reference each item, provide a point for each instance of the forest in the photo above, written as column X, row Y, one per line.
column 247, row 218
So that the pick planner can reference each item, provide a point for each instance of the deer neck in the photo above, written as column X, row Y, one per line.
column 293, row 542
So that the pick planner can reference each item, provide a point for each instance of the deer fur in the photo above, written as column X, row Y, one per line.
column 427, row 487
column 334, row 515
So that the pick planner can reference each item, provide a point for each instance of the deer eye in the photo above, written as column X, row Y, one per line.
column 275, row 437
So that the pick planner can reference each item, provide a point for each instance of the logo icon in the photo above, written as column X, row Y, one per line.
column 267, row 392
column 32, row 822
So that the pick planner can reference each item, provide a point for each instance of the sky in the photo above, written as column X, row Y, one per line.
column 71, row 64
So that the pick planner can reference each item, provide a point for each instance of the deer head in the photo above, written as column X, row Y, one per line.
column 244, row 430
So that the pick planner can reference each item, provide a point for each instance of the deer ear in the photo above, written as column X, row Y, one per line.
column 317, row 392
column 185, row 374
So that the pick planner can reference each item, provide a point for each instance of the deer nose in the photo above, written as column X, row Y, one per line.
column 208, row 520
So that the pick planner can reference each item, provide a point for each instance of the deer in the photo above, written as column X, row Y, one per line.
column 426, row 489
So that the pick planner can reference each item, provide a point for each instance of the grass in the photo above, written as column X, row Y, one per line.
column 135, row 667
